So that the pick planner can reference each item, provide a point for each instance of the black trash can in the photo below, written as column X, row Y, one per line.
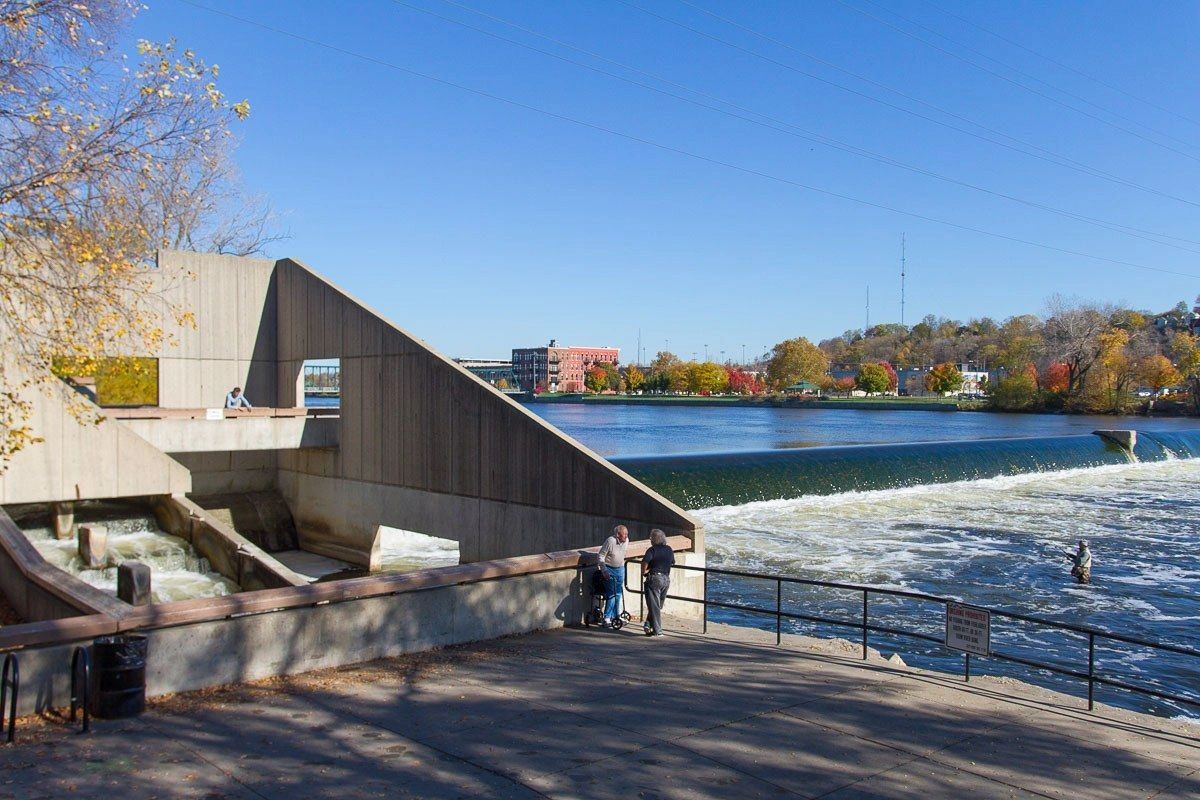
column 120, row 663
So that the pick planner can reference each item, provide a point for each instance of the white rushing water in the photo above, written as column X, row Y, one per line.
column 998, row 543
column 405, row 551
column 178, row 572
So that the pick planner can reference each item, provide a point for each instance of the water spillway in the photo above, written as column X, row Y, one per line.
column 704, row 480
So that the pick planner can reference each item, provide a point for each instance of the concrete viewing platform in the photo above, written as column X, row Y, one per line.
column 591, row 713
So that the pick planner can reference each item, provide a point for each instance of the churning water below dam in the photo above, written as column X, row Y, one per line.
column 951, row 520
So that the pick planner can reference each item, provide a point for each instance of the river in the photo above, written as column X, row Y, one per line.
column 995, row 541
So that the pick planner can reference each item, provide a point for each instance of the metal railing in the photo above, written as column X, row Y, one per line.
column 866, row 627
column 81, row 682
column 10, row 678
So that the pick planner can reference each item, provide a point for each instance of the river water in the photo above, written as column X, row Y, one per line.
column 994, row 541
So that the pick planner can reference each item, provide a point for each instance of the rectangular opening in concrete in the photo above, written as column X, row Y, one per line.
column 125, row 382
column 322, row 380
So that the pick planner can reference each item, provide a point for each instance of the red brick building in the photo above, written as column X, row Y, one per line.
column 558, row 369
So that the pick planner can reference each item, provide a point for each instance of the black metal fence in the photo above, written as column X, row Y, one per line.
column 1092, row 674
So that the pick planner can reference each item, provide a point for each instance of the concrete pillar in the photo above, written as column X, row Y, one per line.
column 133, row 583
column 93, row 546
column 63, row 519
column 1126, row 439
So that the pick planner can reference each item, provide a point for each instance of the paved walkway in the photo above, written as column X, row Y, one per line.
column 573, row 713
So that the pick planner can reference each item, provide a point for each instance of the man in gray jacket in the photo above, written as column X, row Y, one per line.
column 612, row 561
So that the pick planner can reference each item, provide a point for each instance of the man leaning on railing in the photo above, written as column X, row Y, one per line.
column 656, row 567
column 237, row 400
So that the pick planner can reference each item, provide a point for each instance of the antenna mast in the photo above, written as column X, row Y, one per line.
column 868, row 309
column 903, row 266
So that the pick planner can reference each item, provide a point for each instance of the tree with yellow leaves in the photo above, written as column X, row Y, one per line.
column 103, row 161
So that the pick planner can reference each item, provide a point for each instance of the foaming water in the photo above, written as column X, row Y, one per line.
column 999, row 542
column 178, row 572
column 406, row 551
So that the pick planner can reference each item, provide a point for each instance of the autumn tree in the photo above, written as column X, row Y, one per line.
column 1186, row 349
column 1055, row 377
column 634, row 378
column 845, row 385
column 1072, row 336
column 873, row 379
column 1114, row 373
column 595, row 378
column 742, row 382
column 101, row 163
column 893, row 378
column 706, row 378
column 943, row 378
column 796, row 360
column 1015, row 392
column 1158, row 372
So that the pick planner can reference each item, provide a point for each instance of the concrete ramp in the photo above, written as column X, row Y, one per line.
column 261, row 517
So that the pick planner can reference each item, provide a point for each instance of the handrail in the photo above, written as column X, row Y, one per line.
column 865, row 625
column 80, row 689
column 8, row 681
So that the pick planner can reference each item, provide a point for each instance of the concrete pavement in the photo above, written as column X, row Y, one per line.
column 577, row 713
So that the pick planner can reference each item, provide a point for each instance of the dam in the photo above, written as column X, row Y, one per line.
column 288, row 540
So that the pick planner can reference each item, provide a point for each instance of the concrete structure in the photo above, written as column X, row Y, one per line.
column 420, row 443
column 212, row 641
column 568, row 714
column 558, row 369
column 1127, row 439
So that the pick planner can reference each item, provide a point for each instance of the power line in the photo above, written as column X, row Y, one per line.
column 1050, row 157
column 788, row 128
column 1067, row 67
column 671, row 148
column 1017, row 83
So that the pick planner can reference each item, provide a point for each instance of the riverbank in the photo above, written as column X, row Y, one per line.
column 604, row 714
column 855, row 403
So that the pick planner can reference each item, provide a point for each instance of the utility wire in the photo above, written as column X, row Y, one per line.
column 1050, row 157
column 671, row 148
column 1001, row 76
column 779, row 125
column 1062, row 65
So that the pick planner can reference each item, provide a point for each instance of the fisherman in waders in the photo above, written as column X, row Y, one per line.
column 1081, row 563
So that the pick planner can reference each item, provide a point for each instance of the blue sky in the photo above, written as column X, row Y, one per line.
column 480, row 225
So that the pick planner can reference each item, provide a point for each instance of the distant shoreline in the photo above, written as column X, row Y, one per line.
column 855, row 403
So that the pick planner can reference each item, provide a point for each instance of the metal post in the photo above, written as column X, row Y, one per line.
column 864, row 624
column 967, row 667
column 81, row 685
column 641, row 600
column 1091, row 672
column 704, row 605
column 778, row 611
column 10, row 677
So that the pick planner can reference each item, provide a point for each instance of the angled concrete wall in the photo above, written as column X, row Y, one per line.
column 427, row 446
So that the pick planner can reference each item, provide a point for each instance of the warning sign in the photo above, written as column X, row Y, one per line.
column 968, row 629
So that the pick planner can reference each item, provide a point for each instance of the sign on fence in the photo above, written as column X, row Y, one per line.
column 968, row 629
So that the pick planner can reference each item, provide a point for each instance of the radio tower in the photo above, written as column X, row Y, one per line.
column 903, row 265
column 868, row 309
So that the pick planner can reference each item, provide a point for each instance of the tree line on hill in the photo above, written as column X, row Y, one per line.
column 1078, row 357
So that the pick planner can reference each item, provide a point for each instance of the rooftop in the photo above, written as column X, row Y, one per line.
column 602, row 714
